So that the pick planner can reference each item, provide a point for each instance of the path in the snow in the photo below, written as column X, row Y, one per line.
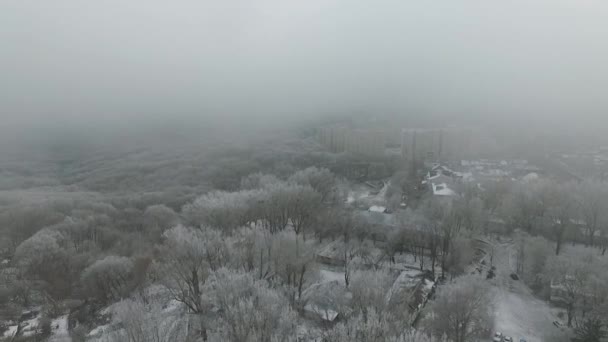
column 518, row 313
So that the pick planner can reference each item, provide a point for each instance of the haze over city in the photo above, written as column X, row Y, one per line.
column 299, row 171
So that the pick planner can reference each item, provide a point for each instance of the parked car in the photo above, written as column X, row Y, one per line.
column 522, row 340
column 497, row 337
column 508, row 339
column 514, row 276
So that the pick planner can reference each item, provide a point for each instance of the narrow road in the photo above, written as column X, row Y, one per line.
column 518, row 313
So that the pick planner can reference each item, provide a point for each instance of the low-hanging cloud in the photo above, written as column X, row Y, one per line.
column 509, row 60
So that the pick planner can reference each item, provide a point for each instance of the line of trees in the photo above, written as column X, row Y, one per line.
column 575, row 279
column 559, row 211
column 239, row 261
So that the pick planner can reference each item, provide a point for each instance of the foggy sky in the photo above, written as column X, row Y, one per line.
column 541, row 61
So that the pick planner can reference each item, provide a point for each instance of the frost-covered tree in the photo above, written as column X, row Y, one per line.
column 280, row 204
column 250, row 311
column 370, row 326
column 591, row 330
column 292, row 262
column 158, row 218
column 595, row 302
column 360, row 330
column 23, row 222
column 447, row 220
column 571, row 276
column 258, row 181
column 460, row 257
column 304, row 205
column 216, row 248
column 321, row 180
column 221, row 210
column 462, row 310
column 524, row 204
column 370, row 290
column 272, row 206
column 561, row 210
column 147, row 322
column 593, row 207
column 44, row 257
column 274, row 256
column 494, row 194
column 531, row 259
column 109, row 278
column 184, row 267
column 251, row 250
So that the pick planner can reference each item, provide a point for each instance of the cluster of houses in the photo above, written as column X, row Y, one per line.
column 598, row 156
column 591, row 163
column 442, row 180
column 412, row 287
column 410, row 290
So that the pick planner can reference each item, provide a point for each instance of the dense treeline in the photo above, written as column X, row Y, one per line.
column 232, row 240
column 69, row 247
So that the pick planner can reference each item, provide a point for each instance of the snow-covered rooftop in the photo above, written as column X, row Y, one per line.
column 325, row 314
column 530, row 177
column 377, row 209
column 442, row 189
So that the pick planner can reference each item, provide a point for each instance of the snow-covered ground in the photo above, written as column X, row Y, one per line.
column 99, row 331
column 381, row 196
column 407, row 260
column 60, row 330
column 362, row 193
column 10, row 332
column 523, row 316
column 28, row 327
column 519, row 313
column 326, row 275
column 403, row 263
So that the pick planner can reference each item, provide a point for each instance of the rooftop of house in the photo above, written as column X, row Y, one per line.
column 323, row 299
column 442, row 189
column 379, row 218
column 377, row 209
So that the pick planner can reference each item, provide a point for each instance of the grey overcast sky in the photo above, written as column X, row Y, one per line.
column 112, row 59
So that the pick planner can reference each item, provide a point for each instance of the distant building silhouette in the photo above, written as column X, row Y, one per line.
column 359, row 141
column 423, row 145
